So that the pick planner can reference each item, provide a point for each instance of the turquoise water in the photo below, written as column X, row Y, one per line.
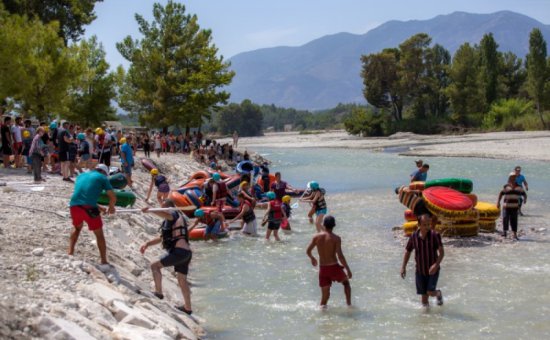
column 248, row 288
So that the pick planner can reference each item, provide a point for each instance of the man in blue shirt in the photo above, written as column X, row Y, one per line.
column 421, row 174
column 127, row 159
column 84, row 208
column 522, row 182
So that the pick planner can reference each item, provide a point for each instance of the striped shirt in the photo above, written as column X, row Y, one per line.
column 37, row 145
column 512, row 196
column 425, row 250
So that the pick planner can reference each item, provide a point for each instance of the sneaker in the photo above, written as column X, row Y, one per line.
column 182, row 309
column 104, row 267
column 68, row 180
column 440, row 298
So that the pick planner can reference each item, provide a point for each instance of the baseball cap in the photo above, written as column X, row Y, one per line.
column 103, row 168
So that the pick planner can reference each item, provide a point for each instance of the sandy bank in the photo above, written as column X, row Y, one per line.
column 503, row 145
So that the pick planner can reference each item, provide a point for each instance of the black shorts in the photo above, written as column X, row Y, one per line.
column 179, row 258
column 64, row 156
column 6, row 150
column 274, row 225
column 426, row 283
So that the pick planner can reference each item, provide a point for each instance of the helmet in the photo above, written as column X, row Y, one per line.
column 53, row 125
column 199, row 213
column 99, row 131
column 286, row 199
column 103, row 168
column 313, row 185
column 216, row 176
column 270, row 195
column 26, row 134
column 122, row 140
column 81, row 136
column 213, row 165
column 243, row 183
column 154, row 171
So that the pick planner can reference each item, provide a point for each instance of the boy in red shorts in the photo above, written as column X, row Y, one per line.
column 329, row 247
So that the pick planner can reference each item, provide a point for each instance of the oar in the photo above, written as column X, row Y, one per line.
column 297, row 204
column 188, row 208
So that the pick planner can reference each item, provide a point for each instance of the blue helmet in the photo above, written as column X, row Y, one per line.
column 216, row 176
column 313, row 185
column 53, row 125
column 199, row 213
column 270, row 195
column 81, row 136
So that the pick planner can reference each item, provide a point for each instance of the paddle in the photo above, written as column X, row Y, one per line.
column 297, row 204
column 188, row 208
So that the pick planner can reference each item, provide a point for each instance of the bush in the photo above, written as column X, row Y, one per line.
column 511, row 114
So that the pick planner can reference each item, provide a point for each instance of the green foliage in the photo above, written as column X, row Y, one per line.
column 37, row 69
column 537, row 71
column 245, row 118
column 508, row 114
column 175, row 75
column 71, row 15
column 92, row 95
column 489, row 67
column 365, row 122
column 512, row 75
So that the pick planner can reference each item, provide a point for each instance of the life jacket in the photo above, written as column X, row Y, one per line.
column 207, row 219
column 169, row 231
column 159, row 180
column 249, row 216
column 222, row 190
column 321, row 203
column 100, row 141
column 287, row 209
column 275, row 210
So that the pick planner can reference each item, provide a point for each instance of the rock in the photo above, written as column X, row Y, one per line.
column 38, row 252
column 172, row 326
column 138, row 319
column 120, row 309
column 541, row 230
column 136, row 271
column 101, row 293
column 55, row 328
column 130, row 332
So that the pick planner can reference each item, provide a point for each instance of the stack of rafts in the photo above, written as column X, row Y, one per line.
column 456, row 208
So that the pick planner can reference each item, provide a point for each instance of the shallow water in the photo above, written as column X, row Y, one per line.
column 249, row 288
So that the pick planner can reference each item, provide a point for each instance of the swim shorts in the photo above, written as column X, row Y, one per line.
column 179, row 258
column 213, row 229
column 80, row 215
column 332, row 272
column 127, row 169
column 274, row 225
column 164, row 188
column 426, row 283
column 321, row 212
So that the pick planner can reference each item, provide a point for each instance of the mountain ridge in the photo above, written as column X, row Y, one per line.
column 326, row 71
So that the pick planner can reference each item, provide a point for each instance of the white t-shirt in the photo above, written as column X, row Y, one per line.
column 105, row 141
column 16, row 131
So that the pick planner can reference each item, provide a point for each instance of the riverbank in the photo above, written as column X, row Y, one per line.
column 48, row 294
column 530, row 145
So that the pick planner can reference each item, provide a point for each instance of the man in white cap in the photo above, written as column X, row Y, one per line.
column 84, row 208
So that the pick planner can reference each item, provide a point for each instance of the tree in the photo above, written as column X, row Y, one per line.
column 245, row 118
column 489, row 67
column 72, row 15
column 174, row 74
column 437, row 78
column 537, row 71
column 512, row 75
column 464, row 92
column 380, row 77
column 37, row 69
column 364, row 122
column 91, row 98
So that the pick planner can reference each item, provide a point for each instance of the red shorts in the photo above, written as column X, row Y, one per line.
column 332, row 272
column 17, row 148
column 79, row 216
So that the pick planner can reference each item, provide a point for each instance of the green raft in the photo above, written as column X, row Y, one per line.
column 123, row 198
column 118, row 181
column 463, row 185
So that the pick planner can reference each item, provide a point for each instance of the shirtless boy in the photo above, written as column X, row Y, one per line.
column 329, row 247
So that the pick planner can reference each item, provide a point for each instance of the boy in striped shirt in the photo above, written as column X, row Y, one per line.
column 512, row 194
column 428, row 254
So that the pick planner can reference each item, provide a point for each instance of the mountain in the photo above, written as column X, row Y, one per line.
column 326, row 71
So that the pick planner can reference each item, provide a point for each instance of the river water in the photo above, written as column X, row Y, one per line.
column 247, row 288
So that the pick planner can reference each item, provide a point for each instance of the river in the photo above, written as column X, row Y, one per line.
column 247, row 288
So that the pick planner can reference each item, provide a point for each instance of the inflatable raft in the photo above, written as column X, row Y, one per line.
column 458, row 229
column 197, row 234
column 487, row 211
column 410, row 227
column 418, row 185
column 118, row 181
column 123, row 198
column 486, row 226
column 447, row 203
column 244, row 167
column 148, row 164
column 463, row 185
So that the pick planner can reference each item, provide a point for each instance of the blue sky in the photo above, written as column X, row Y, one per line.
column 245, row 25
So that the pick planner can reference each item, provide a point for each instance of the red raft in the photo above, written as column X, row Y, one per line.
column 447, row 202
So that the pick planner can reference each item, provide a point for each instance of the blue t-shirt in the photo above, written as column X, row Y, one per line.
column 126, row 149
column 88, row 187
column 520, row 179
column 418, row 175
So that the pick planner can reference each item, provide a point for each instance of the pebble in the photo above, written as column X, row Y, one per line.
column 38, row 252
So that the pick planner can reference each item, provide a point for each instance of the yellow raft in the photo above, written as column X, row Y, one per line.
column 486, row 226
column 458, row 229
column 487, row 211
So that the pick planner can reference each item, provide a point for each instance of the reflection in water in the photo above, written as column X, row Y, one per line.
column 249, row 288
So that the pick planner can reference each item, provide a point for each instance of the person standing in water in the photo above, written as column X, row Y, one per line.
column 329, row 247
column 512, row 194
column 428, row 250
column 522, row 182
column 317, row 199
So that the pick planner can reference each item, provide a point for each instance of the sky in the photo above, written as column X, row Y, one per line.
column 244, row 25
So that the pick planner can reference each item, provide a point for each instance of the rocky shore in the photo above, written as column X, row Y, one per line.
column 49, row 294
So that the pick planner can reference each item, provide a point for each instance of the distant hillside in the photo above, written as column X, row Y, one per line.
column 325, row 71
